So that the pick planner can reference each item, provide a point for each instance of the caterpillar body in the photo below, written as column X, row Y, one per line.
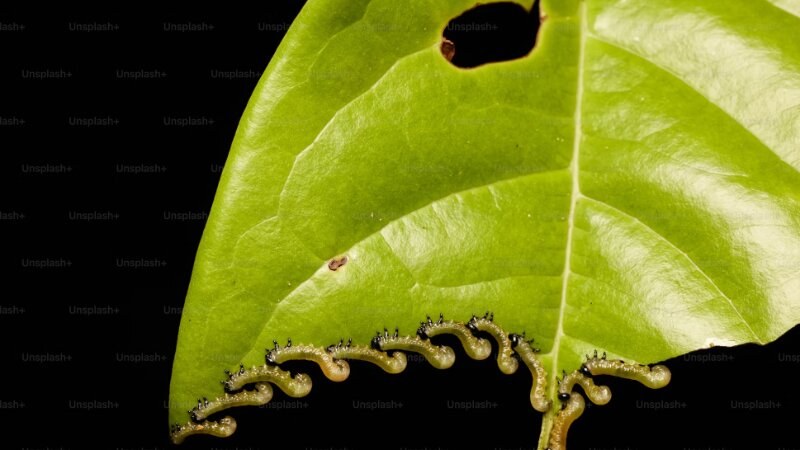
column 599, row 395
column 333, row 369
column 294, row 386
column 260, row 396
column 394, row 363
column 475, row 347
column 505, row 355
column 654, row 377
column 528, row 356
column 222, row 428
column 439, row 356
column 571, row 410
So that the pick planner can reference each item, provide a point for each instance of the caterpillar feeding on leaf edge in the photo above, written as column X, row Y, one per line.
column 386, row 351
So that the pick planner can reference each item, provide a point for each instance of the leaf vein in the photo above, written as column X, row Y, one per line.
column 676, row 76
column 685, row 255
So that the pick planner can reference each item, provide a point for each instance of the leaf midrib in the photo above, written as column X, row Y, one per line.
column 574, row 168
column 576, row 193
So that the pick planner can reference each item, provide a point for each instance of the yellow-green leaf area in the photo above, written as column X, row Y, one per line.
column 631, row 186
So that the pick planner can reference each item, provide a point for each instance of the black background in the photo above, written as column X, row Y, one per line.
column 89, row 337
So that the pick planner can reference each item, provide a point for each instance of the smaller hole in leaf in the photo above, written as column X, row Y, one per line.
column 491, row 33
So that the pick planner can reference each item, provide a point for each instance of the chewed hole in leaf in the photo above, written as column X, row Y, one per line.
column 490, row 33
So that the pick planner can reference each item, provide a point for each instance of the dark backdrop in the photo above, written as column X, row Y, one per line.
column 113, row 132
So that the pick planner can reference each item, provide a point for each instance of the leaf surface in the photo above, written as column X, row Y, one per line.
column 631, row 186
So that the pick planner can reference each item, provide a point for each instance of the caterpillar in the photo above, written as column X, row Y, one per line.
column 528, row 355
column 439, row 356
column 570, row 411
column 334, row 369
column 475, row 347
column 505, row 355
column 294, row 386
column 386, row 351
column 222, row 428
column 260, row 396
column 654, row 377
column 599, row 395
column 394, row 363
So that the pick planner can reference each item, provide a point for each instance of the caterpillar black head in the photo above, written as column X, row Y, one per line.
column 471, row 325
column 339, row 345
column 331, row 348
column 422, row 331
column 201, row 403
column 563, row 396
column 516, row 339
column 375, row 343
column 226, row 385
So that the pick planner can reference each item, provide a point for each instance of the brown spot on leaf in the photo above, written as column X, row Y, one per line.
column 448, row 49
column 336, row 263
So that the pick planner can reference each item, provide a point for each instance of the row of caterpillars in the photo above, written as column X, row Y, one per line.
column 386, row 350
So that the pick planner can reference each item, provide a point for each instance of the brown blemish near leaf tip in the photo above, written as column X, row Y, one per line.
column 448, row 49
column 336, row 263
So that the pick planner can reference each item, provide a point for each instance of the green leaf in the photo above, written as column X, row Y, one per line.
column 631, row 186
